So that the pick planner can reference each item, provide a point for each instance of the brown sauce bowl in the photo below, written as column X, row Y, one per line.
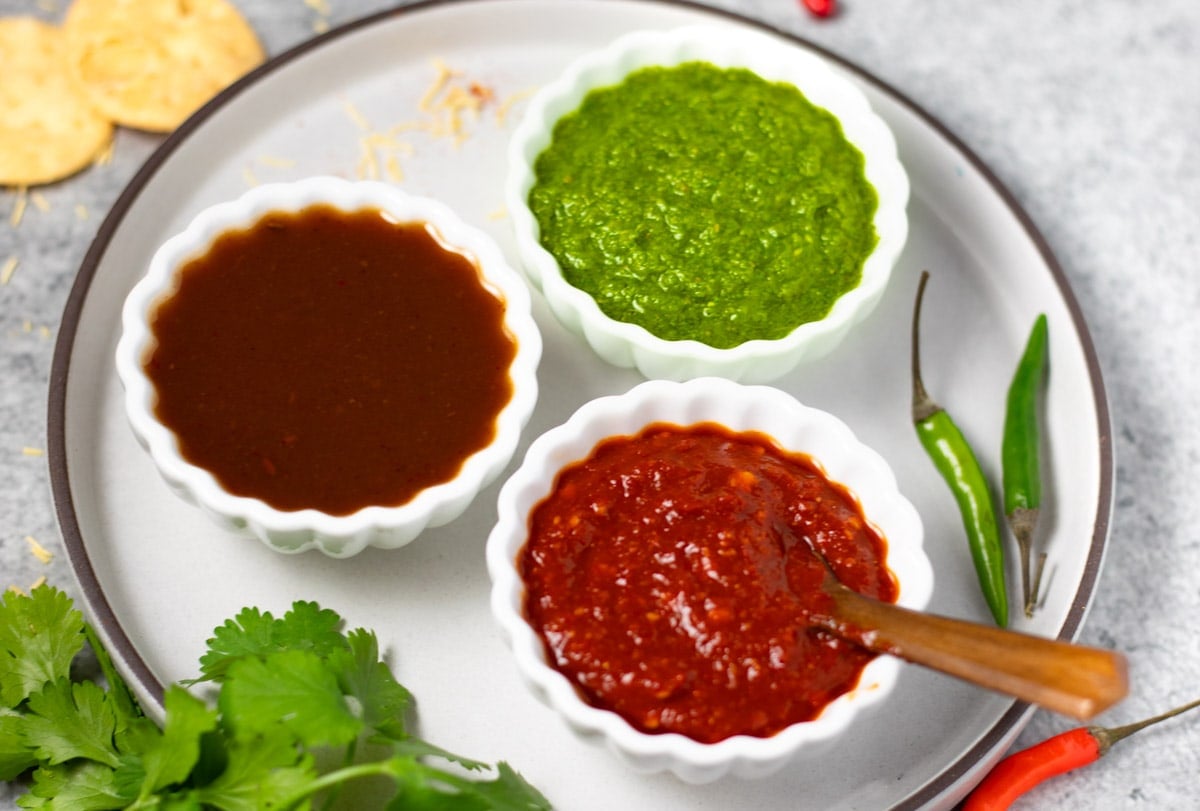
column 265, row 321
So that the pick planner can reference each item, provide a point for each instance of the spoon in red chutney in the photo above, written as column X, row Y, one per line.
column 1074, row 680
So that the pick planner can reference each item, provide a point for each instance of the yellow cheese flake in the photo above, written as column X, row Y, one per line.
column 447, row 106
column 371, row 146
column 105, row 156
column 39, row 201
column 368, row 166
column 37, row 584
column 448, row 102
column 379, row 140
column 27, row 326
column 18, row 211
column 249, row 178
column 319, row 6
column 391, row 165
column 81, row 211
column 17, row 590
column 456, row 102
column 8, row 269
column 40, row 552
column 276, row 163
column 320, row 25
column 28, row 451
column 44, row 331
column 357, row 117
column 506, row 106
column 498, row 214
column 444, row 75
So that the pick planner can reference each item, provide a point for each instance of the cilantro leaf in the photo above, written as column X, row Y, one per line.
column 417, row 748
column 175, row 753
column 40, row 634
column 306, row 626
column 422, row 788
column 509, row 791
column 124, row 707
column 367, row 679
column 86, row 786
column 178, row 801
column 243, row 785
column 250, row 633
column 290, row 693
column 68, row 721
column 15, row 756
column 295, row 688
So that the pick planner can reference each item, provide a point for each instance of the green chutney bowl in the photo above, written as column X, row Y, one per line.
column 736, row 233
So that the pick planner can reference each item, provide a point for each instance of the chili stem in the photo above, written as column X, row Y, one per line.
column 1036, row 588
column 1107, row 736
column 923, row 406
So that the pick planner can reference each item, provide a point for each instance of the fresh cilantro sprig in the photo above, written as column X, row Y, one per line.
column 302, row 711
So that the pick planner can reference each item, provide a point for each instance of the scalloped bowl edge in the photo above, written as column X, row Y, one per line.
column 301, row 530
column 739, row 407
column 629, row 345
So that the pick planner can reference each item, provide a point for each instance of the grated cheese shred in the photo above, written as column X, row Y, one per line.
column 447, row 107
column 276, row 162
column 18, row 211
column 38, row 551
column 105, row 156
column 355, row 115
column 506, row 106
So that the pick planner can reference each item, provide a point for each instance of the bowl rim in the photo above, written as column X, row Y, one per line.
column 862, row 471
column 300, row 530
column 771, row 58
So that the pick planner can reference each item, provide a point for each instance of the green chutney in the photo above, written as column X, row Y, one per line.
column 705, row 203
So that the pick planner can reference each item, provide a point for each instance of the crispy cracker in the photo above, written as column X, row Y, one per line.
column 49, row 130
column 149, row 64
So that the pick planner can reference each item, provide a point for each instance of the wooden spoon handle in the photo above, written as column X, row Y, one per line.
column 1071, row 679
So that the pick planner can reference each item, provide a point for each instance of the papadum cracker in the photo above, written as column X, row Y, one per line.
column 149, row 64
column 48, row 128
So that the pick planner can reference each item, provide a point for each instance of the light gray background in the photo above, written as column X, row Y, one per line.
column 1087, row 110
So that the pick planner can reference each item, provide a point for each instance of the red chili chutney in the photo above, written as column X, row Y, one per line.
column 669, row 579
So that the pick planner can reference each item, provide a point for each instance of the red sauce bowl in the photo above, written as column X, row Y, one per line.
column 340, row 273
column 618, row 633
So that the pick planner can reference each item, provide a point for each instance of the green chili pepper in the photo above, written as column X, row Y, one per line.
column 956, row 462
column 1020, row 454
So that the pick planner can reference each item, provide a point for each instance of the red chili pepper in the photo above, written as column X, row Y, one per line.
column 1020, row 772
column 820, row 8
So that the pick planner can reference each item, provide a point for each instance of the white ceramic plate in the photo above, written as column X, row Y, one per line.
column 157, row 576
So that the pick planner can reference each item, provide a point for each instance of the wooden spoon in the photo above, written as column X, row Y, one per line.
column 1070, row 679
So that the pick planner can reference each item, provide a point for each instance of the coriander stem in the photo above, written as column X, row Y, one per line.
column 334, row 779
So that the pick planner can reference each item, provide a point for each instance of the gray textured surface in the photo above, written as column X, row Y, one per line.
column 1088, row 110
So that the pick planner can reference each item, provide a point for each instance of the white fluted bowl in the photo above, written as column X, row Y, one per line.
column 630, row 345
column 299, row 530
column 738, row 407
